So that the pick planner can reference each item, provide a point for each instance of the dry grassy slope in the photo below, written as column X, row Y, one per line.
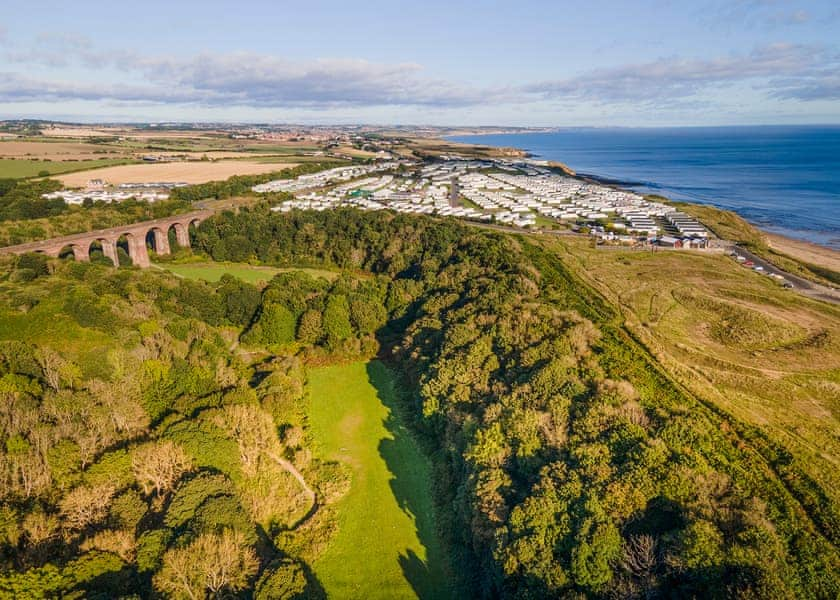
column 764, row 354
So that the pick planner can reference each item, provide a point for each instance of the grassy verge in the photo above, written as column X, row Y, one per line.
column 386, row 545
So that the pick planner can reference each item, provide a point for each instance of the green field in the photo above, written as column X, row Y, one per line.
column 250, row 273
column 17, row 169
column 386, row 545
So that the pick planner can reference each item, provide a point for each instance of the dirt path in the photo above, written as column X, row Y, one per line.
column 310, row 493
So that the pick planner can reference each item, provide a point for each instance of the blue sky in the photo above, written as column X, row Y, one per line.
column 485, row 62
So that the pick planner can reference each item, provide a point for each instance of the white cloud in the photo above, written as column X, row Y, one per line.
column 780, row 69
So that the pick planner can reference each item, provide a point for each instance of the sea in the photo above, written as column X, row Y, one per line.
column 784, row 179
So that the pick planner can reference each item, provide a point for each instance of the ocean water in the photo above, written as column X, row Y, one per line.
column 784, row 179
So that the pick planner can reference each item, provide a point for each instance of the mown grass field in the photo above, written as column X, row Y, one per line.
column 386, row 545
column 18, row 169
column 251, row 273
column 766, row 355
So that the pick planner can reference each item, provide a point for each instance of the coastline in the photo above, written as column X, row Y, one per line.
column 801, row 250
column 798, row 249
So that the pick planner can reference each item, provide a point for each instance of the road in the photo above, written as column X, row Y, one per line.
column 801, row 285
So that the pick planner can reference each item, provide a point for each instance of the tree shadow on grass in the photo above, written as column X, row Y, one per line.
column 412, row 488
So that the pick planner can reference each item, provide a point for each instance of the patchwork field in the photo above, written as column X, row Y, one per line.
column 386, row 545
column 188, row 172
column 736, row 339
column 250, row 273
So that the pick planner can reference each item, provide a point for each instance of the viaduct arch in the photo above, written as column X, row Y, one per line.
column 135, row 234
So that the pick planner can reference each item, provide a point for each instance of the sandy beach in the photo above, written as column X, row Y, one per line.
column 806, row 252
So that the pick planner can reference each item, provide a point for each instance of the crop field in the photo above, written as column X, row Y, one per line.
column 188, row 172
column 57, row 150
column 19, row 168
column 252, row 274
column 386, row 545
column 736, row 339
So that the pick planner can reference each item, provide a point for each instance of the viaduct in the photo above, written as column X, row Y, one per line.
column 135, row 234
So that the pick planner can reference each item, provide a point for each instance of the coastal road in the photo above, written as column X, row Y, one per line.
column 801, row 285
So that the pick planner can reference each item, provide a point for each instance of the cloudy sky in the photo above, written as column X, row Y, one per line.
column 524, row 62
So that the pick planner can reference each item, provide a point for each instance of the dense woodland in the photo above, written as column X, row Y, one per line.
column 566, row 461
column 157, row 461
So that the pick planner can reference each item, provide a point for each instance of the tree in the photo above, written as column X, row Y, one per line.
column 254, row 432
column 337, row 325
column 86, row 505
column 159, row 465
column 51, row 364
column 310, row 328
column 276, row 325
column 241, row 299
column 367, row 315
column 214, row 563
column 283, row 581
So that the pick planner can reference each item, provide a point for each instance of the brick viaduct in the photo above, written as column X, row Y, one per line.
column 136, row 235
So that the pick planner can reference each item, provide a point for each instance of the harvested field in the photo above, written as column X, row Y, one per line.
column 56, row 150
column 189, row 172
column 81, row 131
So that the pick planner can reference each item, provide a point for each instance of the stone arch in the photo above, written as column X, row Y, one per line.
column 136, row 245
column 80, row 252
column 192, row 229
column 159, row 238
column 106, row 246
column 182, row 234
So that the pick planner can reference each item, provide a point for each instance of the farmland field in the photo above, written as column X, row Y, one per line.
column 188, row 172
column 57, row 150
column 386, row 545
column 18, row 168
column 250, row 273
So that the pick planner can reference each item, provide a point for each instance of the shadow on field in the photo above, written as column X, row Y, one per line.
column 412, row 488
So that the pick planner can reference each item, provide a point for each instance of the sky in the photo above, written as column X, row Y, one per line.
column 451, row 63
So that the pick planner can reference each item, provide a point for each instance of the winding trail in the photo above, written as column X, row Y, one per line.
column 310, row 493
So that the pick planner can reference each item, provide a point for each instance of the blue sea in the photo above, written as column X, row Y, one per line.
column 785, row 179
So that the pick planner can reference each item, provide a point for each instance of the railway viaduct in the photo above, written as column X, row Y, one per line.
column 135, row 234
